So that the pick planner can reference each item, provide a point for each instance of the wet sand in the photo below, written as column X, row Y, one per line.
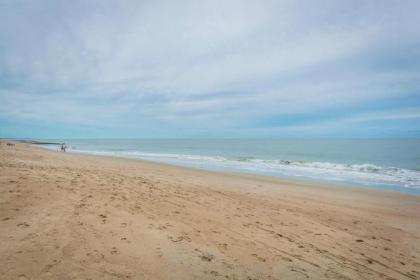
column 69, row 216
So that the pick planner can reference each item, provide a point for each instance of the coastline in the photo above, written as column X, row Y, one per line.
column 103, row 217
column 307, row 181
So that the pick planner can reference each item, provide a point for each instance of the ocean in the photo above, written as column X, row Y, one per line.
column 392, row 165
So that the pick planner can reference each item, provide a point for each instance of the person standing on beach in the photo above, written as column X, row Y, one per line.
column 63, row 147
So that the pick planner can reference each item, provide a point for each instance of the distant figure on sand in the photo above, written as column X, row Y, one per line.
column 63, row 147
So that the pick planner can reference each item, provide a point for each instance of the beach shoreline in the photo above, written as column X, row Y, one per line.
column 263, row 177
column 74, row 216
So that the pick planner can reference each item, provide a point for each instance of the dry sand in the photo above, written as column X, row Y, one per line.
column 68, row 216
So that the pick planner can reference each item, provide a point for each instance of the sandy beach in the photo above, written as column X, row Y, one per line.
column 71, row 216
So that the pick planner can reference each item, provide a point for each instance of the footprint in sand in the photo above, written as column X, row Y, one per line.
column 204, row 256
column 261, row 259
column 215, row 273
column 125, row 239
column 159, row 252
column 23, row 225
column 176, row 239
column 114, row 251
column 164, row 227
column 48, row 267
column 287, row 259
column 95, row 255
column 222, row 246
column 103, row 216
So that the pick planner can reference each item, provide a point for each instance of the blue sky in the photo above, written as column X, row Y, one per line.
column 158, row 69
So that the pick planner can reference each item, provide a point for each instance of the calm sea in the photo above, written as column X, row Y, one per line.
column 386, row 164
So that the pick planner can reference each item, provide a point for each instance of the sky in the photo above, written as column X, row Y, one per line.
column 209, row 69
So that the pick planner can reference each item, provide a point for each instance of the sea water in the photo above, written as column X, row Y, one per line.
column 385, row 164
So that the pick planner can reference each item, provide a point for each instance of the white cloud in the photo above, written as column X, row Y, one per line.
column 224, row 62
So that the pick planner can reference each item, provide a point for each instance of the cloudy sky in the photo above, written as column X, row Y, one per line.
column 155, row 69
